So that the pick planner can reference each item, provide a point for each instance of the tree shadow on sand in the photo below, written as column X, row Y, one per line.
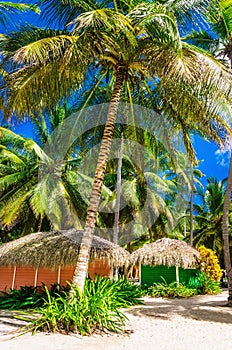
column 8, row 323
column 197, row 308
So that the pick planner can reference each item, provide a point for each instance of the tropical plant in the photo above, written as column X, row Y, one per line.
column 8, row 8
column 129, row 43
column 209, row 214
column 200, row 284
column 28, row 297
column 98, row 308
column 171, row 290
column 205, row 284
column 19, row 161
column 209, row 264
column 22, row 191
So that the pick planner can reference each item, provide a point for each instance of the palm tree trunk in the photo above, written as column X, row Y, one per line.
column 191, row 205
column 225, row 232
column 225, row 223
column 118, row 193
column 118, row 197
column 83, row 257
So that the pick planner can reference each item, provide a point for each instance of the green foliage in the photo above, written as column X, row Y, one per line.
column 172, row 290
column 28, row 297
column 205, row 285
column 208, row 218
column 96, row 309
column 199, row 284
column 209, row 264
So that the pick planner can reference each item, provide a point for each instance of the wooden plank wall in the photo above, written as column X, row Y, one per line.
column 25, row 275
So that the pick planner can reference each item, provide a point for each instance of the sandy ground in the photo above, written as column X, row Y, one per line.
column 202, row 322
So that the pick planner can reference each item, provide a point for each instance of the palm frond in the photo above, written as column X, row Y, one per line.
column 8, row 9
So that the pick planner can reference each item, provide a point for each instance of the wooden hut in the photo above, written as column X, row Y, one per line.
column 50, row 257
column 166, row 259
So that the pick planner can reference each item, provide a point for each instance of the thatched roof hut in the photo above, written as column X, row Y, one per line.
column 166, row 251
column 57, row 248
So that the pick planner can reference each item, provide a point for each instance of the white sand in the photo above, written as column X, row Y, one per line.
column 202, row 322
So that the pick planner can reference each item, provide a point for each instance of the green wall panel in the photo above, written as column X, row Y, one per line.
column 154, row 274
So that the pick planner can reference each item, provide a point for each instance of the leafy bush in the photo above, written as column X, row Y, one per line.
column 209, row 264
column 206, row 285
column 200, row 284
column 172, row 290
column 28, row 297
column 96, row 309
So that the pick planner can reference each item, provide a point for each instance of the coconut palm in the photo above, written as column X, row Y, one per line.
column 219, row 16
column 209, row 214
column 23, row 197
column 130, row 48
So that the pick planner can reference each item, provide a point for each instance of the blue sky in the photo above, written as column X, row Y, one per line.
column 214, row 162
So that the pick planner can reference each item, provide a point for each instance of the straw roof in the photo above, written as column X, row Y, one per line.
column 166, row 251
column 57, row 248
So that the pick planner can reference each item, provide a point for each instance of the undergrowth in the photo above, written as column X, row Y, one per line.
column 98, row 308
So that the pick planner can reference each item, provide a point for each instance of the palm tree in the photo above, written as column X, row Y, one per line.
column 19, row 160
column 219, row 16
column 24, row 199
column 132, row 47
column 209, row 215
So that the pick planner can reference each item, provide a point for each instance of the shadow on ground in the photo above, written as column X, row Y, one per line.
column 8, row 322
column 202, row 308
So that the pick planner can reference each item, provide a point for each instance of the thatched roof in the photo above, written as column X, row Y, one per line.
column 57, row 248
column 166, row 251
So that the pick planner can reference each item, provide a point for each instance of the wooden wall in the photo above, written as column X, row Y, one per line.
column 27, row 275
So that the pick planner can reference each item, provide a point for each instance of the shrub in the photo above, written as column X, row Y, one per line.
column 172, row 290
column 209, row 264
column 98, row 308
column 206, row 285
column 200, row 284
column 28, row 297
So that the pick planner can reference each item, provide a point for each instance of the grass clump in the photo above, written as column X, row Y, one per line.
column 97, row 309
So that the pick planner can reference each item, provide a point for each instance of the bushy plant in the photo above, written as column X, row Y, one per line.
column 200, row 284
column 28, row 297
column 98, row 308
column 205, row 285
column 209, row 264
column 172, row 290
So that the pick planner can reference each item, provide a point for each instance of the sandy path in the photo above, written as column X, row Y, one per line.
column 198, row 323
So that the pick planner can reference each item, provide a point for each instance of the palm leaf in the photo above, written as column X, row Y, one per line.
column 8, row 9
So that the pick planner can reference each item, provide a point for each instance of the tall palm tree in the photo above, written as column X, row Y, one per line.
column 219, row 16
column 132, row 47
